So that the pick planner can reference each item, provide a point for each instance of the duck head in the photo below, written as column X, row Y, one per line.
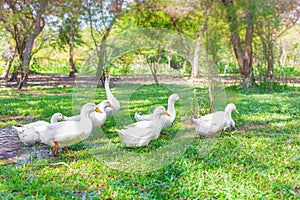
column 174, row 97
column 231, row 107
column 89, row 107
column 105, row 104
column 160, row 110
column 57, row 117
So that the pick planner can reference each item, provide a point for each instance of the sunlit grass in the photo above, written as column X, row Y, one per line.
column 258, row 160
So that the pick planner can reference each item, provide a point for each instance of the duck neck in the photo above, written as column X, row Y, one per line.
column 227, row 113
column 171, row 108
column 158, row 120
column 106, row 86
column 53, row 120
column 84, row 115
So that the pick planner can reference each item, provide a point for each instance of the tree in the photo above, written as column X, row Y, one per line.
column 124, row 62
column 154, row 59
column 69, row 30
column 242, row 48
column 274, row 19
column 10, row 56
column 24, row 20
column 185, row 17
column 195, row 68
column 101, row 17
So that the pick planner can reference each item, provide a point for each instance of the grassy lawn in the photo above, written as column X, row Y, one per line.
column 258, row 160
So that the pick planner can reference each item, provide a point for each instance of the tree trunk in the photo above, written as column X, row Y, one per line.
column 100, row 69
column 195, row 66
column 154, row 73
column 282, row 56
column 71, row 54
column 243, row 56
column 8, row 66
column 153, row 68
column 270, row 62
column 101, row 54
column 169, row 61
column 155, row 79
column 24, row 68
column 14, row 75
column 39, row 25
column 267, row 44
column 248, row 53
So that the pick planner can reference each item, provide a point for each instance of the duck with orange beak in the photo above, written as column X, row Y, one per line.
column 171, row 110
column 65, row 134
column 142, row 132
column 98, row 118
column 212, row 123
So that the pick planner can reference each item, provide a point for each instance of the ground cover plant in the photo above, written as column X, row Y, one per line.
column 260, row 159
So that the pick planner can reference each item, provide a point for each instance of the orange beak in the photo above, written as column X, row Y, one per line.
column 167, row 114
column 235, row 110
column 98, row 110
column 63, row 118
column 111, row 106
column 107, row 74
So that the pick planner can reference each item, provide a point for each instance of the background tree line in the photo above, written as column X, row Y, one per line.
column 251, row 37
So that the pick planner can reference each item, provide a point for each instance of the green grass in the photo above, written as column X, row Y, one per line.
column 258, row 160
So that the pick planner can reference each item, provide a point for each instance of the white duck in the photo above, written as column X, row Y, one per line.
column 28, row 135
column 64, row 134
column 171, row 110
column 97, row 118
column 111, row 98
column 141, row 133
column 214, row 122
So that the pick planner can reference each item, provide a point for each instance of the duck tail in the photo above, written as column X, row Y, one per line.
column 195, row 120
column 19, row 129
column 137, row 116
column 120, row 132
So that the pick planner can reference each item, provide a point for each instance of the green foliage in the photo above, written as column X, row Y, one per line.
column 64, row 32
column 4, row 46
column 258, row 160
column 230, row 68
column 123, row 64
column 50, row 69
column 188, row 17
column 289, row 71
column 177, row 62
column 2, row 67
column 61, row 69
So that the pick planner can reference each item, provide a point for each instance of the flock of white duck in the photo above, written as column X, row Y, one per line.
column 63, row 131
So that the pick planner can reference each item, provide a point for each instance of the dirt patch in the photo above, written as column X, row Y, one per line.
column 55, row 80
column 253, row 126
column 29, row 119
column 9, row 143
column 13, row 150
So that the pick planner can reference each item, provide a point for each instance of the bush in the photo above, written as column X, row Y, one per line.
column 287, row 71
column 231, row 68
